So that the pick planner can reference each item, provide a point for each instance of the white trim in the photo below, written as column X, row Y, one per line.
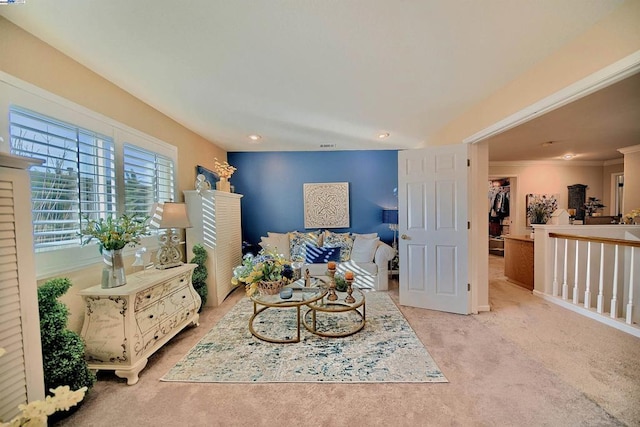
column 592, row 314
column 629, row 150
column 547, row 163
column 607, row 76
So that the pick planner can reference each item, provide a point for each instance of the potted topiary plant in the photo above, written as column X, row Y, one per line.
column 62, row 349
column 200, row 273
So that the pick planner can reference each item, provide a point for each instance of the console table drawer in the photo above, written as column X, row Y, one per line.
column 154, row 293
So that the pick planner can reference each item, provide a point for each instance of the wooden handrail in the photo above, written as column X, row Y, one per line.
column 623, row 242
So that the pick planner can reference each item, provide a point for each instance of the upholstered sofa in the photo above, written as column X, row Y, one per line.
column 364, row 254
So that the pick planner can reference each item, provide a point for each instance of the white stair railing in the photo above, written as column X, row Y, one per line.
column 613, row 274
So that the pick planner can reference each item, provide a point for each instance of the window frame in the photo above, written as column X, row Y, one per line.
column 15, row 92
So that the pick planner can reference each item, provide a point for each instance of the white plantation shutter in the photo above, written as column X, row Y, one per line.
column 76, row 179
column 21, row 377
column 148, row 179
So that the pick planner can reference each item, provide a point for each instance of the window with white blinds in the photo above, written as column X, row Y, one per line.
column 80, row 177
column 148, row 179
column 77, row 178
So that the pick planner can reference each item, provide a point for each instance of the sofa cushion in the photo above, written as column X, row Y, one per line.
column 364, row 249
column 278, row 243
column 366, row 236
column 322, row 255
column 344, row 241
column 298, row 242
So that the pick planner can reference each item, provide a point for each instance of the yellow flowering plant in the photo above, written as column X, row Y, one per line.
column 266, row 266
column 629, row 218
column 114, row 234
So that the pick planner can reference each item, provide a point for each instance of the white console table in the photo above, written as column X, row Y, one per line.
column 123, row 326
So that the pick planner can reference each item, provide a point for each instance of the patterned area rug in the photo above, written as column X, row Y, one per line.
column 386, row 350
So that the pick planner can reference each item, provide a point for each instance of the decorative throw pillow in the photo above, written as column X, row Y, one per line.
column 316, row 255
column 278, row 243
column 364, row 249
column 344, row 241
column 298, row 242
column 366, row 236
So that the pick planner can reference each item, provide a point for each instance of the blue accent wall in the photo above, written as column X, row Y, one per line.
column 271, row 183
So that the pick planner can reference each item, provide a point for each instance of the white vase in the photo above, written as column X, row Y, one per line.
column 113, row 269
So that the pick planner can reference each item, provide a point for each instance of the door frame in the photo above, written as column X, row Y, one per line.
column 479, row 154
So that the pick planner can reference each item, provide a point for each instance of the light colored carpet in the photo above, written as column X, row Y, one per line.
column 386, row 350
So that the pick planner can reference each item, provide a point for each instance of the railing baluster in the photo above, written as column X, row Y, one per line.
column 575, row 279
column 614, row 297
column 565, row 286
column 555, row 267
column 600, row 301
column 630, row 303
column 587, row 287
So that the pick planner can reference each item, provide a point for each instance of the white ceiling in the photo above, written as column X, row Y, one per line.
column 305, row 74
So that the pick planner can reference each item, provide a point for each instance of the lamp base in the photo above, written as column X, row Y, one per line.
column 165, row 266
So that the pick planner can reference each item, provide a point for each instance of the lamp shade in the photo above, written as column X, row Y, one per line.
column 170, row 215
column 389, row 216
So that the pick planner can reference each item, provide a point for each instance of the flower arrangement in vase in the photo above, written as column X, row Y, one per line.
column 224, row 171
column 592, row 206
column 266, row 272
column 540, row 208
column 113, row 234
column 631, row 217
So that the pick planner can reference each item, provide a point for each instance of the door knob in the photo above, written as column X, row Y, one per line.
column 404, row 237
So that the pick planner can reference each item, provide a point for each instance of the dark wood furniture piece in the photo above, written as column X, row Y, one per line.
column 577, row 199
column 518, row 260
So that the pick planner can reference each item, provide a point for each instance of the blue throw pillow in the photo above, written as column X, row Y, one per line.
column 316, row 255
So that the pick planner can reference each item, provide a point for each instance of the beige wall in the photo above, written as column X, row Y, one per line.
column 541, row 178
column 612, row 39
column 30, row 59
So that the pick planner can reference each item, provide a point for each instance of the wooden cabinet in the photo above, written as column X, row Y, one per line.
column 123, row 326
column 216, row 225
column 21, row 373
column 518, row 260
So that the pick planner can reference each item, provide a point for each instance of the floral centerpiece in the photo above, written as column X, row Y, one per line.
column 224, row 170
column 114, row 234
column 266, row 272
column 593, row 205
column 540, row 208
column 630, row 218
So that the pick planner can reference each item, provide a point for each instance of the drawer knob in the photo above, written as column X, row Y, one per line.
column 148, row 296
column 151, row 316
column 155, row 337
column 184, row 296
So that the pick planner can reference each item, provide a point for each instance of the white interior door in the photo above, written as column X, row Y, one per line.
column 432, row 211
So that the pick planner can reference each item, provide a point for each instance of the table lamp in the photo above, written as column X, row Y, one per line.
column 390, row 216
column 169, row 216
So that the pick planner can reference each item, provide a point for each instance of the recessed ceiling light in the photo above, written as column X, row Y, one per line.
column 568, row 156
column 383, row 135
column 254, row 137
column 547, row 144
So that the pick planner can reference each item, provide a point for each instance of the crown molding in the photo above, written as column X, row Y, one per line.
column 629, row 150
column 567, row 163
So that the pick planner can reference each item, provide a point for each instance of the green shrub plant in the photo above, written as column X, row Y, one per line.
column 200, row 273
